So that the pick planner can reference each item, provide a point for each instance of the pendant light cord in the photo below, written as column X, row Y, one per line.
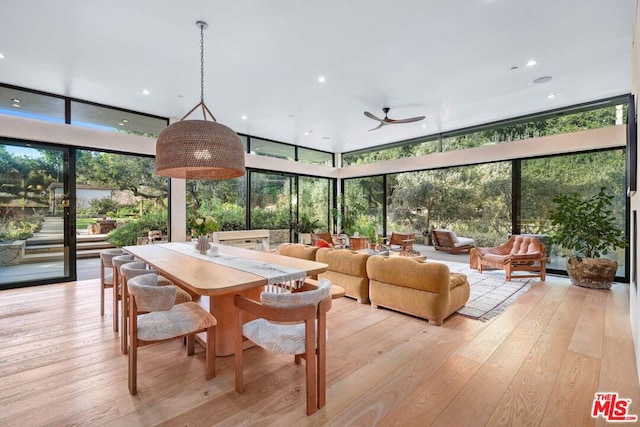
column 202, row 62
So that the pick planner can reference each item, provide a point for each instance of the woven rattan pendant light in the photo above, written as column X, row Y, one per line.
column 199, row 149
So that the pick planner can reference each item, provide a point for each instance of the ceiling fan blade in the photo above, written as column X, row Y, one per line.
column 371, row 116
column 411, row 120
column 379, row 126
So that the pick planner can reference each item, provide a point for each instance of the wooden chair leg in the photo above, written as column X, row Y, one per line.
column 101, row 289
column 115, row 307
column 191, row 344
column 238, row 353
column 133, row 359
column 311, row 371
column 211, row 353
column 124, row 333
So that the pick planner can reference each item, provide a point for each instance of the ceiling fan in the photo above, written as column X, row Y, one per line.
column 388, row 121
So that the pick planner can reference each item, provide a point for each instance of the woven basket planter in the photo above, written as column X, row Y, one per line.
column 594, row 273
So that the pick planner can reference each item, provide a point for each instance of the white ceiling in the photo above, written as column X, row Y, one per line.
column 448, row 60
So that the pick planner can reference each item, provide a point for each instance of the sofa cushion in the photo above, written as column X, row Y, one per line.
column 457, row 279
column 347, row 269
column 298, row 250
column 407, row 272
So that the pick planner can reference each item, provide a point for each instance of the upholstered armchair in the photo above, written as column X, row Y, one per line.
column 336, row 241
column 117, row 263
column 287, row 324
column 519, row 253
column 129, row 271
column 163, row 320
column 106, row 272
column 448, row 241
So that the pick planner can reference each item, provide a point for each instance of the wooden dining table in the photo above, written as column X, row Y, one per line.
column 201, row 277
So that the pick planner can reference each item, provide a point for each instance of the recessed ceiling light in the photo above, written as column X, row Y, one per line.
column 16, row 105
column 125, row 121
column 424, row 126
column 542, row 80
column 145, row 92
column 16, row 100
column 2, row 55
column 308, row 132
column 244, row 117
column 120, row 124
column 551, row 95
column 531, row 62
column 321, row 79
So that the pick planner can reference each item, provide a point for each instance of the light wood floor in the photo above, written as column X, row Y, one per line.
column 539, row 363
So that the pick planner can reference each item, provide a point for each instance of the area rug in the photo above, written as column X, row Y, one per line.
column 490, row 294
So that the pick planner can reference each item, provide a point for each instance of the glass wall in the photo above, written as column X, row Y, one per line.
column 31, row 105
column 223, row 200
column 602, row 114
column 315, row 199
column 34, row 229
column 307, row 155
column 584, row 174
column 364, row 204
column 114, row 120
column 474, row 201
column 262, row 147
column 120, row 198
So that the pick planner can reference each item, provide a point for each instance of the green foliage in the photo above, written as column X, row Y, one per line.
column 127, row 234
column 304, row 225
column 19, row 228
column 201, row 225
column 102, row 206
column 366, row 226
column 270, row 219
column 585, row 225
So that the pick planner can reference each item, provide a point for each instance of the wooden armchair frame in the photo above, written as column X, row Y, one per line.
column 443, row 241
column 316, row 351
column 530, row 256
column 400, row 241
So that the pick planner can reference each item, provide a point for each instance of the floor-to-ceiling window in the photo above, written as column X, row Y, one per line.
column 224, row 200
column 120, row 197
column 584, row 174
column 364, row 204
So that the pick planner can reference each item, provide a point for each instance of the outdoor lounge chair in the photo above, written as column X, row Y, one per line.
column 400, row 241
column 446, row 240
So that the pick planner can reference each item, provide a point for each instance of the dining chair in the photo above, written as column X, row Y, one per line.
column 287, row 324
column 118, row 262
column 133, row 269
column 106, row 272
column 163, row 320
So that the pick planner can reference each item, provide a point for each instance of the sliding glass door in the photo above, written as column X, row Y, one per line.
column 37, row 240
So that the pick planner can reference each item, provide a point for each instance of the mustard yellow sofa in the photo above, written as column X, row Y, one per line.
column 299, row 250
column 348, row 270
column 423, row 289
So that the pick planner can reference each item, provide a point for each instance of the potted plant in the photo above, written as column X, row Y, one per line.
column 304, row 227
column 586, row 228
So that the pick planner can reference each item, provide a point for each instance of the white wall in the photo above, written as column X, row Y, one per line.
column 634, row 308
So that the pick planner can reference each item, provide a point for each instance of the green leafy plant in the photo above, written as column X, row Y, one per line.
column 304, row 225
column 585, row 226
column 201, row 225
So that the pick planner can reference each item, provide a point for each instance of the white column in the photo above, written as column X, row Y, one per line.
column 178, row 210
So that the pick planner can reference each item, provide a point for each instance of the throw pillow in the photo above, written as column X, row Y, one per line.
column 321, row 243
